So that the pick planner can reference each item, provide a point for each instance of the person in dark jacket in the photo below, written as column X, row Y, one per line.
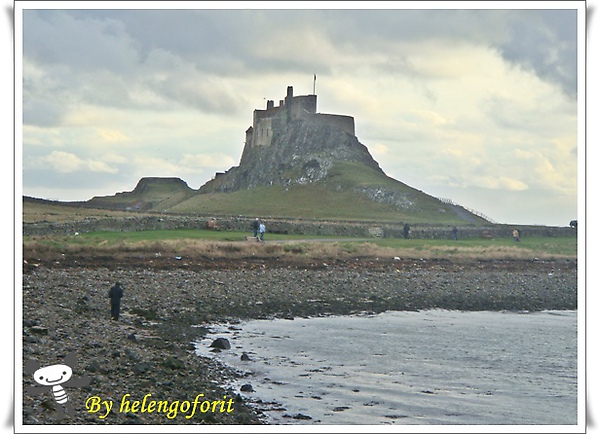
column 255, row 225
column 455, row 233
column 115, row 294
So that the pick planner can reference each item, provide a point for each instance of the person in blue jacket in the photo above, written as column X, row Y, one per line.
column 262, row 229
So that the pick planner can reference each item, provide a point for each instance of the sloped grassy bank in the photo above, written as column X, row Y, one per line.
column 167, row 300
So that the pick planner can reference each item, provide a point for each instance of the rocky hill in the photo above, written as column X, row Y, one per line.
column 296, row 163
column 292, row 146
column 149, row 194
column 302, row 153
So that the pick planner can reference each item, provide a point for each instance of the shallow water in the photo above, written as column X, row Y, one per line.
column 428, row 368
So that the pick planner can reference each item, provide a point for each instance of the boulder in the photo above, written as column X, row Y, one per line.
column 245, row 357
column 221, row 344
column 247, row 388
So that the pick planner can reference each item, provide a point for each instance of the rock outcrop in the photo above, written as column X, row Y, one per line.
column 293, row 144
column 301, row 153
column 149, row 193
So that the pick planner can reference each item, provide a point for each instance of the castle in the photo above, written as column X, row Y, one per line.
column 267, row 123
column 292, row 144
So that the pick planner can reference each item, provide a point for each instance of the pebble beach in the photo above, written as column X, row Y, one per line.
column 169, row 303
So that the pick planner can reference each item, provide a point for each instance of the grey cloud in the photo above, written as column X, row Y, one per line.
column 545, row 41
column 230, row 43
column 225, row 42
column 509, row 116
column 364, row 28
column 42, row 113
column 209, row 36
column 55, row 37
column 41, row 178
column 94, row 55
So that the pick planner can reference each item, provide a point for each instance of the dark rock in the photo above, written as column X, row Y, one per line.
column 299, row 416
column 173, row 363
column 94, row 366
column 142, row 367
column 132, row 355
column 39, row 330
column 221, row 343
column 247, row 388
column 245, row 357
column 29, row 323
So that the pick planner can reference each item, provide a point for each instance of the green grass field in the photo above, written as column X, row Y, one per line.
column 200, row 241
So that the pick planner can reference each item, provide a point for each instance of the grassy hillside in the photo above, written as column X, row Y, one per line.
column 334, row 198
column 40, row 210
column 351, row 191
column 154, row 194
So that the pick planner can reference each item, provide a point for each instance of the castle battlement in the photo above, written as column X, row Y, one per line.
column 267, row 122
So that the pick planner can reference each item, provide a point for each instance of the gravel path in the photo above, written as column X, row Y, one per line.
column 149, row 350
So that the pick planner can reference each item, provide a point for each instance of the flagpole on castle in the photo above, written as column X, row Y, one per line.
column 314, row 84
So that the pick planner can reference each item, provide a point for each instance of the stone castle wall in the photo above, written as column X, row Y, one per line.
column 264, row 122
column 263, row 132
column 340, row 122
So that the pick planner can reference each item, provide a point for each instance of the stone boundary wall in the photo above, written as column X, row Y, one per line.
column 283, row 226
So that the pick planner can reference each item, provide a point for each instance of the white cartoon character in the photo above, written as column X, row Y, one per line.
column 57, row 377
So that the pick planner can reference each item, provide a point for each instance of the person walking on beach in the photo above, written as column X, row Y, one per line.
column 261, row 229
column 115, row 294
column 516, row 236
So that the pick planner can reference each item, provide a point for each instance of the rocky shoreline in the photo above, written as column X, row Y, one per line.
column 168, row 301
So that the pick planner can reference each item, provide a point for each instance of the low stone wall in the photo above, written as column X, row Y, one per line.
column 300, row 227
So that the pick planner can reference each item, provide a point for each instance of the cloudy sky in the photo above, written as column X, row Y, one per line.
column 475, row 105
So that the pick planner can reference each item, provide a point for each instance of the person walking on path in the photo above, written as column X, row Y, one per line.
column 261, row 229
column 454, row 233
column 406, row 231
column 255, row 226
column 115, row 294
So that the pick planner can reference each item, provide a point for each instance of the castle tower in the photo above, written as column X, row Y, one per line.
column 273, row 118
